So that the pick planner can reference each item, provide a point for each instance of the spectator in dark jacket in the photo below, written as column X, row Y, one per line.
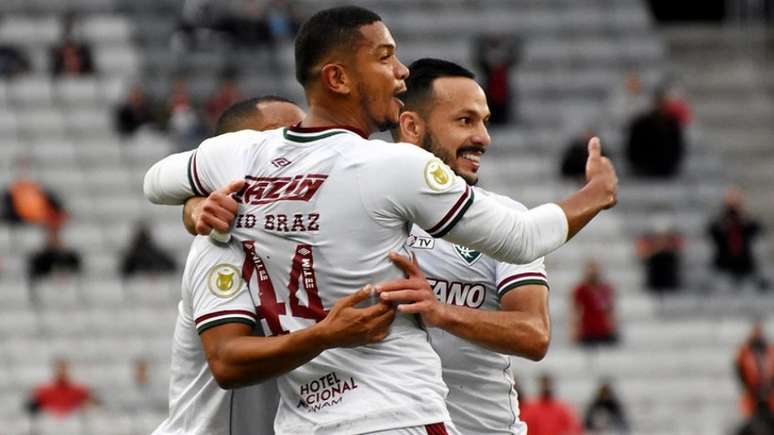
column 732, row 234
column 145, row 256
column 605, row 414
column 655, row 144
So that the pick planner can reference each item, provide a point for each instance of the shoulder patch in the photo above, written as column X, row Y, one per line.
column 224, row 280
column 421, row 242
column 438, row 176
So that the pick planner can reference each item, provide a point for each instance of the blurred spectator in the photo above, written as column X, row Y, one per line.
column 495, row 55
column 134, row 113
column 655, row 145
column 72, row 57
column 61, row 397
column 53, row 258
column 282, row 19
column 185, row 126
column 755, row 369
column 239, row 22
column 732, row 234
column 628, row 101
column 594, row 309
column 575, row 155
column 142, row 396
column 13, row 61
column 225, row 97
column 145, row 256
column 760, row 423
column 605, row 414
column 661, row 254
column 27, row 202
column 548, row 415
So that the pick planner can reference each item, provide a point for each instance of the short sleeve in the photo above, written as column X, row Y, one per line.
column 511, row 276
column 219, row 295
column 407, row 183
column 220, row 160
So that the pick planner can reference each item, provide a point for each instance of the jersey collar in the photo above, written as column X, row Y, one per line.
column 306, row 130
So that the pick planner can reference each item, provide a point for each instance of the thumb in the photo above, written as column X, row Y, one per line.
column 359, row 296
column 233, row 187
column 595, row 148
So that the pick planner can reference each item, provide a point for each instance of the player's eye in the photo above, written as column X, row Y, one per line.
column 465, row 120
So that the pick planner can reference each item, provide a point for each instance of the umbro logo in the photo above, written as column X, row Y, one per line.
column 280, row 162
column 468, row 255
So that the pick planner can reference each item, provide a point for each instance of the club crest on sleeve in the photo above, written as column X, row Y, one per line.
column 468, row 255
column 438, row 176
column 224, row 280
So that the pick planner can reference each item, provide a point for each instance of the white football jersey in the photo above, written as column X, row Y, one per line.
column 320, row 210
column 481, row 395
column 317, row 218
column 213, row 293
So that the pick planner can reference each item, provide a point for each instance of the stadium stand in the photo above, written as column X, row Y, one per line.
column 672, row 368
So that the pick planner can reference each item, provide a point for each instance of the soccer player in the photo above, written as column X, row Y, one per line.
column 483, row 310
column 323, row 205
column 215, row 295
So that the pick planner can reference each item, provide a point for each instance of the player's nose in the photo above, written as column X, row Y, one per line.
column 481, row 137
column 401, row 71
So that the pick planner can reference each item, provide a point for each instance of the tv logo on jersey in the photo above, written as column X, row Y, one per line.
column 265, row 190
column 458, row 293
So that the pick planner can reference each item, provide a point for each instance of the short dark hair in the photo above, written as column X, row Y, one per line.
column 325, row 31
column 235, row 116
column 422, row 74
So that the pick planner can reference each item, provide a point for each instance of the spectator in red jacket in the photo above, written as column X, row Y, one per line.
column 594, row 310
column 61, row 397
column 548, row 415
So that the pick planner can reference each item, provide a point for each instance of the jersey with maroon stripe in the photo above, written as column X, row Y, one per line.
column 318, row 215
column 213, row 293
column 481, row 395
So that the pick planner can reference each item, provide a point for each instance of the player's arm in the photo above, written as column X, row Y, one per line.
column 215, row 163
column 514, row 236
column 238, row 358
column 444, row 206
column 522, row 327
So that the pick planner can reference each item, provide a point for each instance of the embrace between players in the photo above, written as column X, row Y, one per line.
column 310, row 298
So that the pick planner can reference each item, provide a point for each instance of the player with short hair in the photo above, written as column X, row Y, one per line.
column 214, row 294
column 323, row 205
column 483, row 310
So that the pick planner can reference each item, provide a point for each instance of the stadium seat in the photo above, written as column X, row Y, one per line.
column 31, row 91
column 30, row 30
column 102, row 293
column 58, row 291
column 77, row 91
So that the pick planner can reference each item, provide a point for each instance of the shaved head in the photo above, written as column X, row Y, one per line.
column 263, row 113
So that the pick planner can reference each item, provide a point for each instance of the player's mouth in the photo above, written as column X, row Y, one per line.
column 471, row 156
column 397, row 94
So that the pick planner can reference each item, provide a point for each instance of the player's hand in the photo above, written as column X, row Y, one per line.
column 600, row 173
column 413, row 293
column 218, row 210
column 349, row 326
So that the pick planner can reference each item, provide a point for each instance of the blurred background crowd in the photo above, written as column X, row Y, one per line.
column 660, row 310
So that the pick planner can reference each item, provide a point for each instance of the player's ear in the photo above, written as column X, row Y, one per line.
column 336, row 79
column 412, row 127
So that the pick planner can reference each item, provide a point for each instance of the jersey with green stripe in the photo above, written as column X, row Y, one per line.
column 481, row 395
column 213, row 293
column 318, row 215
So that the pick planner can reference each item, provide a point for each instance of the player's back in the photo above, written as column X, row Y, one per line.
column 316, row 226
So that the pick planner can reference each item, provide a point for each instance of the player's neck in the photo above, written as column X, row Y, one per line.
column 336, row 115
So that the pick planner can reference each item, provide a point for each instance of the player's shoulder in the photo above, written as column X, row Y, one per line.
column 502, row 199
column 206, row 253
